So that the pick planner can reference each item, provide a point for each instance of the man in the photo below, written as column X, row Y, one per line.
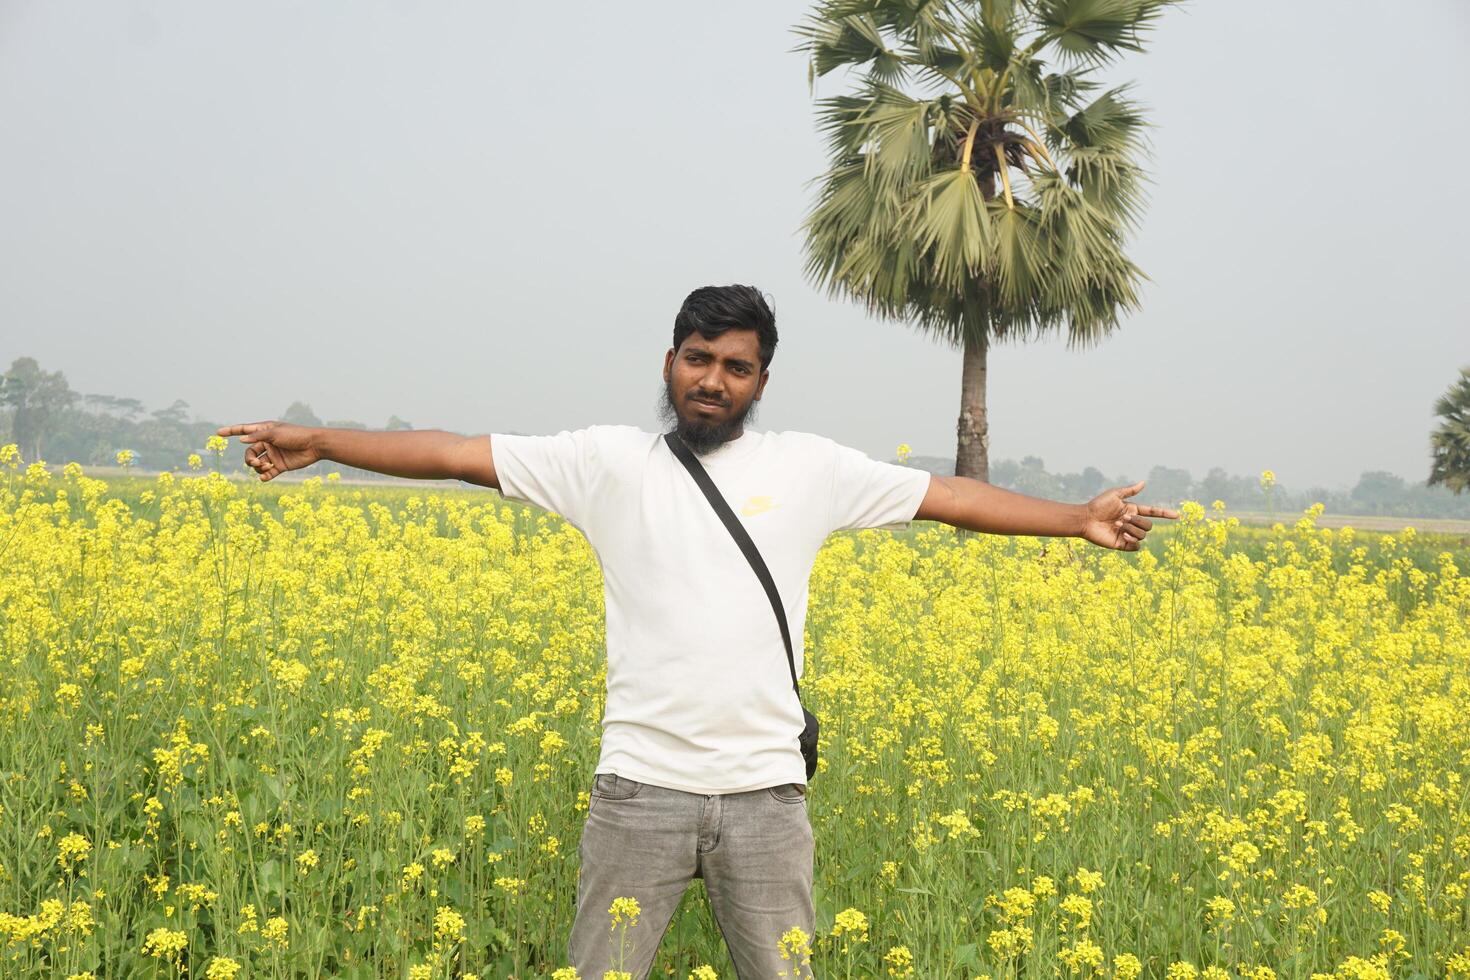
column 700, row 773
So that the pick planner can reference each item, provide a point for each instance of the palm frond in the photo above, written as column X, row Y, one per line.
column 1109, row 122
column 876, row 270
column 1088, row 276
column 943, row 64
column 1077, row 232
column 998, row 14
column 1033, row 94
column 1093, row 32
column 928, row 28
column 1100, row 142
column 835, row 41
column 899, row 127
column 839, row 119
column 897, row 18
column 892, row 127
column 1110, row 182
column 948, row 213
column 950, row 315
column 890, row 68
column 846, row 206
column 1020, row 257
column 994, row 47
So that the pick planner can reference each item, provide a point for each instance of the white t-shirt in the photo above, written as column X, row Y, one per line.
column 699, row 694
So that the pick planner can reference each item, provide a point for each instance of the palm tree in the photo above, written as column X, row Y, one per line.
column 972, row 191
column 1451, row 441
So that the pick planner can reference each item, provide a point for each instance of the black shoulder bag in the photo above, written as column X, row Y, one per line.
column 808, row 737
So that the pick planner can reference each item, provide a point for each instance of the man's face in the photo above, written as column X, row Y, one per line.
column 710, row 386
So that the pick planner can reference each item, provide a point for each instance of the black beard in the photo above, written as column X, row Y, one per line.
column 700, row 436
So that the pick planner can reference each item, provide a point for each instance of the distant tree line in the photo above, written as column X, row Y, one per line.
column 48, row 420
column 1377, row 492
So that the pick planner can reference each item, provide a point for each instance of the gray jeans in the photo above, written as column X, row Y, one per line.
column 753, row 850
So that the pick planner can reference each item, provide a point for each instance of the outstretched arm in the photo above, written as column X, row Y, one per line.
column 273, row 448
column 1107, row 520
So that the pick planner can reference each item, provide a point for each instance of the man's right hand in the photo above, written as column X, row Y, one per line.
column 273, row 448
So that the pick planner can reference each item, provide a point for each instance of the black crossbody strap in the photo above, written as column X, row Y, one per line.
column 742, row 538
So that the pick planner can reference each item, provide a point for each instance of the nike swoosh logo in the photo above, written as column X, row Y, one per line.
column 757, row 505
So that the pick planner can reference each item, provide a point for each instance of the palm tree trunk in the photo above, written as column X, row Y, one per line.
column 972, row 455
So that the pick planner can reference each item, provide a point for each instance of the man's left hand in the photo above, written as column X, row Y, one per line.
column 1112, row 522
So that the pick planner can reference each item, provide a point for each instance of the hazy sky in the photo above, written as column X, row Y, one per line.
column 483, row 217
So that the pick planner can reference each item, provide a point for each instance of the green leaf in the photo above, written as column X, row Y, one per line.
column 826, row 910
column 948, row 215
column 1093, row 32
column 272, row 879
column 275, row 788
column 900, row 130
column 967, row 956
column 833, row 42
column 1020, row 261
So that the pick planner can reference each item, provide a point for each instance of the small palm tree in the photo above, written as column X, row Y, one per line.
column 1450, row 443
column 972, row 191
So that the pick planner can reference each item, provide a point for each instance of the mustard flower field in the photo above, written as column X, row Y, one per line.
column 313, row 730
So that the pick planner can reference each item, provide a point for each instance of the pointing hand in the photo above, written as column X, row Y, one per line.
column 273, row 448
column 1112, row 522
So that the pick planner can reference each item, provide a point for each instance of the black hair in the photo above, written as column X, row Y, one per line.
column 712, row 310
